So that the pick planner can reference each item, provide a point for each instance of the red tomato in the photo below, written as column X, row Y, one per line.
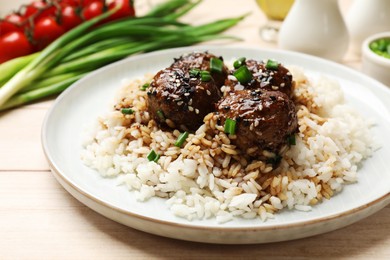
column 125, row 10
column 74, row 3
column 13, row 45
column 85, row 3
column 44, row 8
column 69, row 18
column 46, row 30
column 92, row 10
column 11, row 23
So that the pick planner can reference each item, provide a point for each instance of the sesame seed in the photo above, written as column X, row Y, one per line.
column 180, row 103
column 190, row 102
column 275, row 87
column 282, row 85
column 208, row 92
column 190, row 108
column 186, row 94
column 196, row 111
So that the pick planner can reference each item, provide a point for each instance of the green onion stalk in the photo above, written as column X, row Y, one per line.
column 86, row 48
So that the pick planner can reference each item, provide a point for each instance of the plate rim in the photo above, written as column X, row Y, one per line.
column 385, row 199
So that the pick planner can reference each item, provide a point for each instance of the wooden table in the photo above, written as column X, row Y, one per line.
column 39, row 219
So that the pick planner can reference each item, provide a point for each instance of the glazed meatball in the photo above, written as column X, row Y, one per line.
column 201, row 61
column 264, row 119
column 279, row 79
column 180, row 99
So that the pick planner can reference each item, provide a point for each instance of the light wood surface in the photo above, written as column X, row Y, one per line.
column 40, row 220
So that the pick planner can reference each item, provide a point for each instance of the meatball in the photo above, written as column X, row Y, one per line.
column 180, row 99
column 264, row 119
column 279, row 79
column 201, row 61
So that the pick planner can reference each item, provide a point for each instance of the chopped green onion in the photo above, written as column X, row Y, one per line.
column 205, row 76
column 230, row 126
column 144, row 86
column 291, row 140
column 238, row 63
column 216, row 65
column 160, row 115
column 153, row 156
column 272, row 65
column 381, row 47
column 181, row 139
column 275, row 160
column 194, row 72
column 127, row 111
column 243, row 75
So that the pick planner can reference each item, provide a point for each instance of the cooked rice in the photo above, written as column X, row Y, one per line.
column 209, row 178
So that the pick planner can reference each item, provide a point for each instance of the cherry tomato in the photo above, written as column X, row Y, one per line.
column 46, row 30
column 74, row 3
column 125, row 10
column 92, row 10
column 11, row 23
column 44, row 8
column 85, row 3
column 69, row 18
column 13, row 45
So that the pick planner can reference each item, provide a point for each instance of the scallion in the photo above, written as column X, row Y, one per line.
column 272, row 65
column 160, row 115
column 274, row 160
column 153, row 156
column 291, row 140
column 181, row 139
column 216, row 65
column 194, row 72
column 243, row 75
column 239, row 62
column 230, row 126
column 127, row 111
column 205, row 76
column 144, row 86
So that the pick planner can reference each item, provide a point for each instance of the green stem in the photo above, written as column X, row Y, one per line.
column 34, row 95
column 10, row 68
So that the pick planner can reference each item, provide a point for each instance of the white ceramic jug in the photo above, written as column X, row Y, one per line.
column 315, row 27
column 365, row 18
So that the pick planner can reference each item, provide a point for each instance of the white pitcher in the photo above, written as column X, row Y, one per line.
column 315, row 27
column 367, row 17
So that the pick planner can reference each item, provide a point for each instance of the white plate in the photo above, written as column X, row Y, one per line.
column 89, row 97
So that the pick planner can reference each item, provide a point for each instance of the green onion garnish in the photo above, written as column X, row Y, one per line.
column 216, row 65
column 230, row 126
column 272, row 65
column 194, row 72
column 144, row 86
column 153, row 156
column 160, row 115
column 381, row 47
column 205, row 76
column 291, row 140
column 275, row 160
column 127, row 111
column 238, row 63
column 243, row 75
column 181, row 139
